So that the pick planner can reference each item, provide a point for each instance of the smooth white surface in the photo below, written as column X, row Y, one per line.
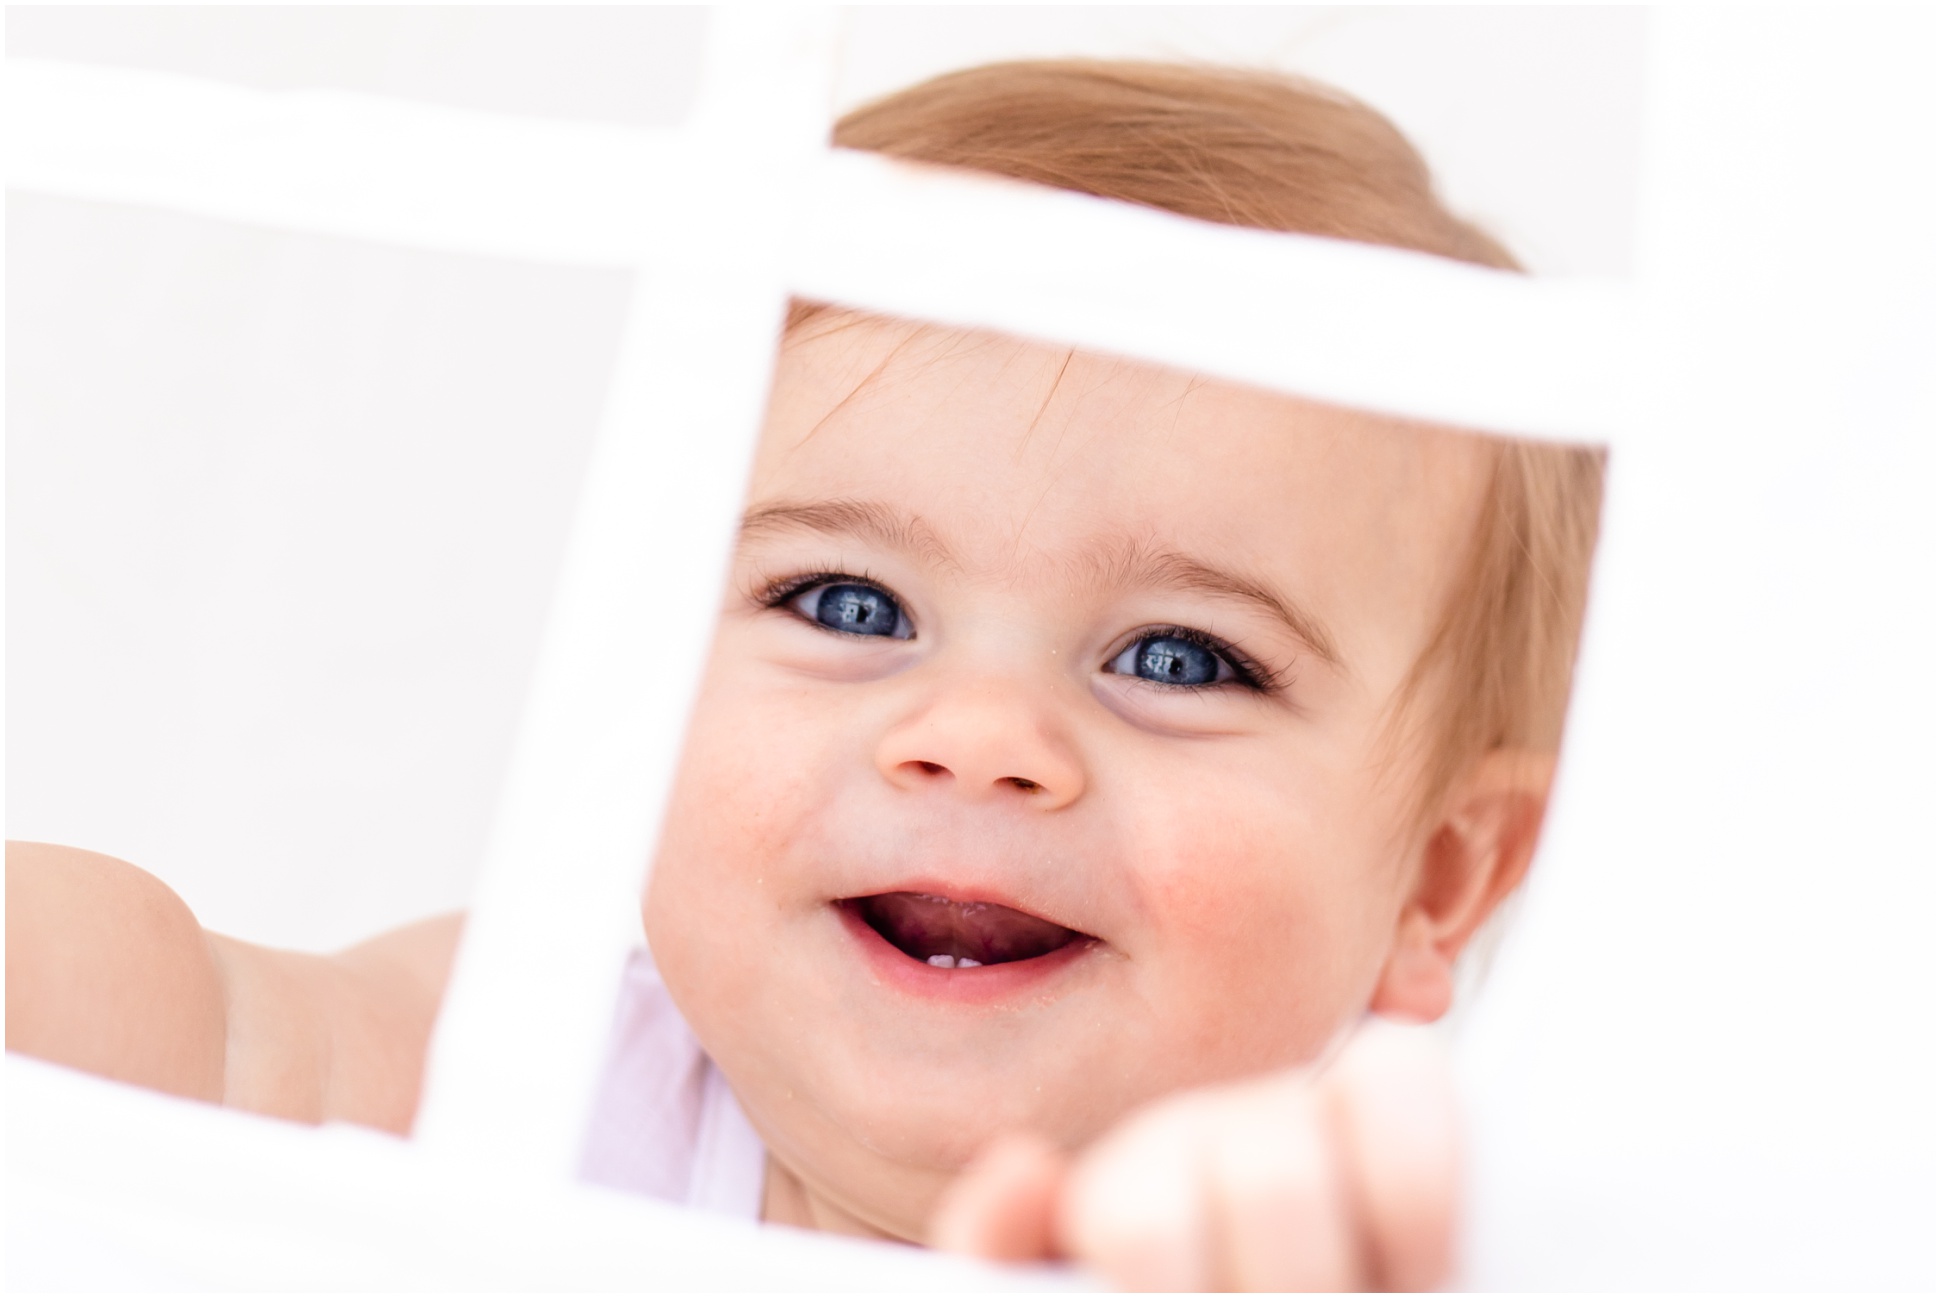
column 343, row 164
column 1375, row 328
column 109, row 1187
column 522, row 1034
column 1706, row 1055
column 1528, row 114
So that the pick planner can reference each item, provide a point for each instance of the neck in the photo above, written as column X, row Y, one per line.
column 787, row 1200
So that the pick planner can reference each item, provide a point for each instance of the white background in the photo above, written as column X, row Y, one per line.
column 283, row 511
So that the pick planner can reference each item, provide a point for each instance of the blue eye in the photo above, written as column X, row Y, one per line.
column 854, row 609
column 1172, row 659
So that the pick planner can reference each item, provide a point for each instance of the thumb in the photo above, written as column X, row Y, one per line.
column 1001, row 1206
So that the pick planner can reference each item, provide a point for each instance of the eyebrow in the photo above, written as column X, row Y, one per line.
column 1139, row 565
column 1132, row 565
column 864, row 520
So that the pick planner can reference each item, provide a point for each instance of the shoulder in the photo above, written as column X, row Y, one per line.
column 108, row 971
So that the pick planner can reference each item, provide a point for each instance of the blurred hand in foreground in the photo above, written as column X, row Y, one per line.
column 1342, row 1178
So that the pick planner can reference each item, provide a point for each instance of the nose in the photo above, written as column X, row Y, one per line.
column 984, row 740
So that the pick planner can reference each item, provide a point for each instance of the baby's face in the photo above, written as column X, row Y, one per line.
column 1039, row 768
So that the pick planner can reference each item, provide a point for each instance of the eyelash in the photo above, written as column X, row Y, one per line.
column 1249, row 673
column 777, row 593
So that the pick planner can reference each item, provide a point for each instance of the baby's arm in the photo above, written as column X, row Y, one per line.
column 108, row 971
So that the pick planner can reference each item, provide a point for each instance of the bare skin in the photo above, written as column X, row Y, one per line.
column 108, row 971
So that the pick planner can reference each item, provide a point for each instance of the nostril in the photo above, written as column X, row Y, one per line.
column 930, row 768
column 1029, row 786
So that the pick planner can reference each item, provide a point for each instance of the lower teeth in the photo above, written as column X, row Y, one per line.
column 953, row 962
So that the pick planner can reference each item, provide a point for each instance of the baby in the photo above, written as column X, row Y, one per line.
column 1087, row 750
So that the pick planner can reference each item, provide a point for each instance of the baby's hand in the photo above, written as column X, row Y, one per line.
column 1342, row 1180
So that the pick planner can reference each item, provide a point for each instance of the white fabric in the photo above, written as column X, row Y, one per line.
column 665, row 1123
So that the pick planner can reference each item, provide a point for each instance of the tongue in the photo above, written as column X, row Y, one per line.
column 944, row 932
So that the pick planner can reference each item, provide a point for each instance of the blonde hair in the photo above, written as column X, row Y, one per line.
column 1275, row 153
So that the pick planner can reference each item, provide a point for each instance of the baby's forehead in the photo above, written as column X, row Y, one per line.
column 1012, row 422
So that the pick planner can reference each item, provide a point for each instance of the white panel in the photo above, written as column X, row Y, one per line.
column 1528, row 115
column 1360, row 325
column 1374, row 327
column 336, row 162
column 1706, row 1058
column 522, row 1036
column 113, row 1188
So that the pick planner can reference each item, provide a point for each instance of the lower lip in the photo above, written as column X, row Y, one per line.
column 980, row 983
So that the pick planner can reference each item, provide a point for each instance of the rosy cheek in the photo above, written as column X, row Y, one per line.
column 1229, row 896
column 747, row 779
column 744, row 790
column 1254, row 919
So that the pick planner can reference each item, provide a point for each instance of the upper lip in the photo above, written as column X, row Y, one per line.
column 965, row 894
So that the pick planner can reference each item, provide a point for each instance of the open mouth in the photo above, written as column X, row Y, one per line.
column 950, row 934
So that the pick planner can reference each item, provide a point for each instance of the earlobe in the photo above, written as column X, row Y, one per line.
column 1418, row 982
column 1472, row 860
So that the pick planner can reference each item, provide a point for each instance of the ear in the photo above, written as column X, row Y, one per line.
column 1475, row 855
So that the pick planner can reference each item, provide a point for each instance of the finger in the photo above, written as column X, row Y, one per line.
column 1134, row 1207
column 1001, row 1206
column 1282, row 1216
column 1399, row 1126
